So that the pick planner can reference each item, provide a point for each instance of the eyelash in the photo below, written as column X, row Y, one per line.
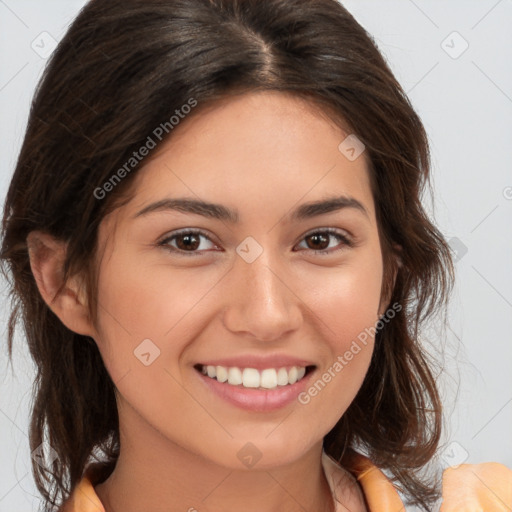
column 346, row 241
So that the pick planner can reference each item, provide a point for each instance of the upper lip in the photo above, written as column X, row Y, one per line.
column 258, row 362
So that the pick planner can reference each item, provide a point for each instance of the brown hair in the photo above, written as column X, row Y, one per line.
column 122, row 69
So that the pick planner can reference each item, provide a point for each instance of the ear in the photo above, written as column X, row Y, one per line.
column 47, row 257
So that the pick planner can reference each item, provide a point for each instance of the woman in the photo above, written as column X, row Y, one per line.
column 182, row 161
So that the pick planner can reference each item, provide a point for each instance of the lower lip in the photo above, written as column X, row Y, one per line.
column 256, row 399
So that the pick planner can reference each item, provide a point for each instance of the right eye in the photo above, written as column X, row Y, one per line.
column 185, row 242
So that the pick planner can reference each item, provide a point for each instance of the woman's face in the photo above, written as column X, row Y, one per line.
column 248, row 291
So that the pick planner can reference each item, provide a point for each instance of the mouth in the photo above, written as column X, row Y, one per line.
column 258, row 379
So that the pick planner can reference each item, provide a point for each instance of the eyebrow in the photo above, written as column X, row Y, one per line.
column 221, row 212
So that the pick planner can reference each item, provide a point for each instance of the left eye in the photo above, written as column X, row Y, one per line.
column 189, row 242
column 322, row 236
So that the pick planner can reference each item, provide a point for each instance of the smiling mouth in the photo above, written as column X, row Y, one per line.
column 251, row 378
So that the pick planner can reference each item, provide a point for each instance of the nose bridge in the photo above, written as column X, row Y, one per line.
column 261, row 302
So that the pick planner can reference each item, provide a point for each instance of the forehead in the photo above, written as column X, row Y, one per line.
column 260, row 152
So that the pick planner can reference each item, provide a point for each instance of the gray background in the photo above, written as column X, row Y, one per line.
column 464, row 96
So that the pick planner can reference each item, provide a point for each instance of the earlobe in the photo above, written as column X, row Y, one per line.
column 66, row 299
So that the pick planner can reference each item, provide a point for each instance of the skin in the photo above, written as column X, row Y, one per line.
column 262, row 153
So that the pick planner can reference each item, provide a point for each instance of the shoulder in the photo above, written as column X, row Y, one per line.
column 376, row 490
column 84, row 498
column 486, row 486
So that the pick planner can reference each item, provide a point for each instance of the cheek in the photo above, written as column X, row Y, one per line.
column 141, row 309
column 139, row 312
column 346, row 313
column 346, row 300
column 147, row 302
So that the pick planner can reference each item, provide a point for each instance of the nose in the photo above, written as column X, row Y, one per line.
column 261, row 299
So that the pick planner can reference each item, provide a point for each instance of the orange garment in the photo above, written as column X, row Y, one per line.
column 466, row 488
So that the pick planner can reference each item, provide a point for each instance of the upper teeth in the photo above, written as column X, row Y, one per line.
column 269, row 378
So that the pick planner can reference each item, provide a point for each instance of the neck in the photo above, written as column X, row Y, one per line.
column 153, row 473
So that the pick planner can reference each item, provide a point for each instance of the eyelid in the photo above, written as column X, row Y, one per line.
column 197, row 231
column 330, row 230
